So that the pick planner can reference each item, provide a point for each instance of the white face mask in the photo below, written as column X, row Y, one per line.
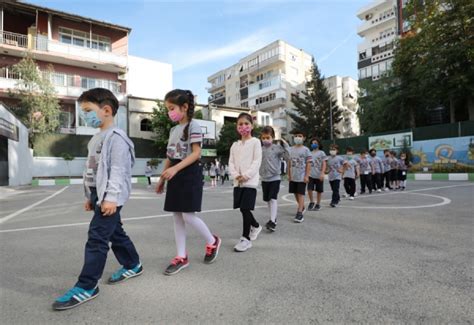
column 298, row 140
column 332, row 152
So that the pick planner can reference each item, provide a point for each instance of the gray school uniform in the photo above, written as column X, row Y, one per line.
column 334, row 163
column 350, row 172
column 365, row 165
column 317, row 163
column 386, row 164
column 179, row 149
column 299, row 156
column 270, row 169
column 378, row 165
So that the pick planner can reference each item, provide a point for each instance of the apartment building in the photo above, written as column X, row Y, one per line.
column 84, row 53
column 263, row 82
column 382, row 24
column 344, row 90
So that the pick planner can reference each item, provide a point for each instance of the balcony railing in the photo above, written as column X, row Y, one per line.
column 66, row 84
column 270, row 104
column 43, row 44
column 375, row 22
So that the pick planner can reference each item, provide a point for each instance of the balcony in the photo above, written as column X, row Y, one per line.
column 263, row 64
column 374, row 6
column 216, row 87
column 43, row 47
column 277, row 102
column 65, row 85
column 266, row 85
column 376, row 22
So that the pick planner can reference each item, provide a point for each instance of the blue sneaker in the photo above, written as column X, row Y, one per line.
column 75, row 297
column 123, row 274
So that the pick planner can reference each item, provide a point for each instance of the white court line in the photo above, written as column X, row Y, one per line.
column 126, row 219
column 13, row 215
column 217, row 210
column 444, row 201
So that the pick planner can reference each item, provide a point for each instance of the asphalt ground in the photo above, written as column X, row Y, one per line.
column 395, row 257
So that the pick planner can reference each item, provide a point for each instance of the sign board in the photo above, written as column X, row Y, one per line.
column 8, row 129
column 208, row 152
column 391, row 141
column 208, row 128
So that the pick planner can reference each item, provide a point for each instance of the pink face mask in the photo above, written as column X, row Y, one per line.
column 244, row 130
column 175, row 115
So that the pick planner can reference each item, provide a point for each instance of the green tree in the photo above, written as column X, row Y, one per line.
column 161, row 126
column 312, row 108
column 39, row 107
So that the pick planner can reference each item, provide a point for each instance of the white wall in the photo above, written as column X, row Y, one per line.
column 57, row 167
column 147, row 78
column 20, row 159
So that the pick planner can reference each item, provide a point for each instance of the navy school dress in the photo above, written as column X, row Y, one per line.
column 184, row 190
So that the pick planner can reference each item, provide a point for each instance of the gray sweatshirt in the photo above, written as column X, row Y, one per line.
column 270, row 169
column 114, row 170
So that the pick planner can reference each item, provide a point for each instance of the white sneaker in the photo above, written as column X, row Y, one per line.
column 243, row 245
column 356, row 194
column 379, row 191
column 254, row 232
column 387, row 189
column 351, row 198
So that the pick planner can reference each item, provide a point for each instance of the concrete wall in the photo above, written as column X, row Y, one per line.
column 48, row 167
column 20, row 160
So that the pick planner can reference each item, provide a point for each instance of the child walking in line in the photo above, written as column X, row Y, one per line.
column 394, row 170
column 377, row 181
column 270, row 171
column 366, row 171
column 316, row 176
column 244, row 164
column 335, row 166
column 350, row 173
column 183, row 174
column 299, row 168
column 403, row 165
column 386, row 169
column 107, row 185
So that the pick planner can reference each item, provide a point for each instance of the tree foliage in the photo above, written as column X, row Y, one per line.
column 312, row 108
column 161, row 126
column 39, row 107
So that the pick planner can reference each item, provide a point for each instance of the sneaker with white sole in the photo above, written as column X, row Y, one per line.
column 212, row 250
column 124, row 274
column 379, row 191
column 75, row 297
column 243, row 245
column 177, row 264
column 254, row 232
column 351, row 198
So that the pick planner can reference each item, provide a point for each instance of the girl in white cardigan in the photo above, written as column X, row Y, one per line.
column 244, row 164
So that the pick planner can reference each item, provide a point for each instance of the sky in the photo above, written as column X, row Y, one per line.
column 200, row 38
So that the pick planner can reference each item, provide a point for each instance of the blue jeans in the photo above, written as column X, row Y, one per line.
column 102, row 231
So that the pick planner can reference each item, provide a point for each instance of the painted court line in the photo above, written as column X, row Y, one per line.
column 13, row 215
column 224, row 210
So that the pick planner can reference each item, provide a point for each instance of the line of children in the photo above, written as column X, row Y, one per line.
column 393, row 170
column 244, row 164
column 316, row 176
column 387, row 160
column 298, row 172
column 270, row 171
column 350, row 173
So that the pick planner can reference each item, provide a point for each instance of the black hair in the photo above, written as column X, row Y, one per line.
column 181, row 97
column 268, row 130
column 296, row 131
column 386, row 150
column 349, row 149
column 246, row 116
column 320, row 144
column 101, row 97
column 372, row 150
column 363, row 151
column 334, row 146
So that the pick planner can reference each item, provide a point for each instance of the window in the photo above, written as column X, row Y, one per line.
column 83, row 39
column 145, row 125
column 362, row 55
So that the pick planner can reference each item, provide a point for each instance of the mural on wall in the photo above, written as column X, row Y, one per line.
column 444, row 154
